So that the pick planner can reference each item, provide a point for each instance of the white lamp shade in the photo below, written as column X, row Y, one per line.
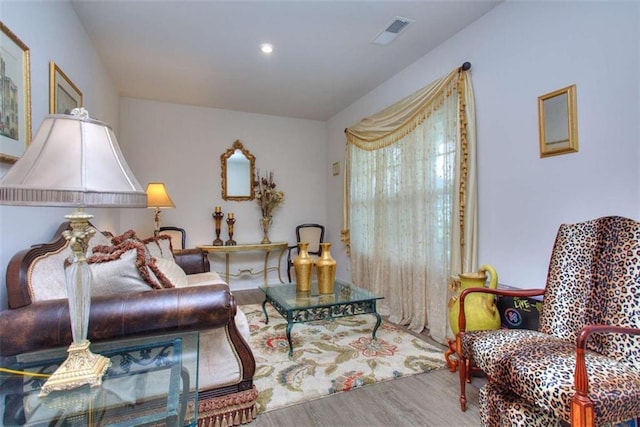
column 72, row 161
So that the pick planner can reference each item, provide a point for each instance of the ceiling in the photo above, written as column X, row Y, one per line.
column 207, row 53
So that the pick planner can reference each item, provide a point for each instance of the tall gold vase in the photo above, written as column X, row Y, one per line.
column 302, row 265
column 326, row 270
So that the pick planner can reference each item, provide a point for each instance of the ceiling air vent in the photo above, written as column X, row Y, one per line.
column 398, row 25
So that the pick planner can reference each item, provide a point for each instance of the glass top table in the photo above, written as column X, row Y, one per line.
column 299, row 307
column 152, row 380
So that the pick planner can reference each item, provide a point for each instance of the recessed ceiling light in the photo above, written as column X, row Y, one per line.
column 266, row 48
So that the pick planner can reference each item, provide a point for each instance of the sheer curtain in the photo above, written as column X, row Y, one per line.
column 410, row 208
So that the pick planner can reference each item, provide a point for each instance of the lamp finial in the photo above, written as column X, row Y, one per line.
column 80, row 113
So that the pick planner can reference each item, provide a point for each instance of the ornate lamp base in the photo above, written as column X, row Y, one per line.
column 81, row 367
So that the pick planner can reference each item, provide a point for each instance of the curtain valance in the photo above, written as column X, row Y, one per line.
column 391, row 124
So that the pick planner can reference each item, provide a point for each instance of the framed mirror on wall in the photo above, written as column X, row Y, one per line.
column 238, row 170
column 558, row 122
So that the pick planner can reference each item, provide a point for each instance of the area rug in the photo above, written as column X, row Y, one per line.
column 330, row 356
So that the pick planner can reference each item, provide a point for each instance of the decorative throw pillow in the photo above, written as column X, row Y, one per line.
column 127, row 235
column 170, row 274
column 118, row 272
column 113, row 254
column 98, row 239
column 159, row 247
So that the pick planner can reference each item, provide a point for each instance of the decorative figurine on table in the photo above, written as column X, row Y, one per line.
column 230, row 221
column 217, row 216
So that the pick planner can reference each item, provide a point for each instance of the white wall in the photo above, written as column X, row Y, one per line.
column 519, row 51
column 52, row 31
column 181, row 146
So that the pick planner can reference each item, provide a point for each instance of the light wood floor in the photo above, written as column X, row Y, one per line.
column 429, row 399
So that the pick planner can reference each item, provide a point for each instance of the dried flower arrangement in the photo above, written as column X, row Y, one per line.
column 267, row 197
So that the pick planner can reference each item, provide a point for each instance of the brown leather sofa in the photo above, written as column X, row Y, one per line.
column 28, row 325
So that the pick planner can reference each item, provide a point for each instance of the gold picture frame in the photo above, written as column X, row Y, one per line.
column 15, row 113
column 238, row 167
column 64, row 96
column 558, row 122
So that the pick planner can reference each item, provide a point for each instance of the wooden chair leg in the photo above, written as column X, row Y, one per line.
column 452, row 364
column 463, row 364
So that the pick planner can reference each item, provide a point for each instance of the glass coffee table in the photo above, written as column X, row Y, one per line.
column 153, row 380
column 301, row 307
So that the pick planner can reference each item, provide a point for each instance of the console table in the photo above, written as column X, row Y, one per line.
column 266, row 248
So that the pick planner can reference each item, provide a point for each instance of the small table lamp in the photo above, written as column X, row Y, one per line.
column 74, row 161
column 157, row 197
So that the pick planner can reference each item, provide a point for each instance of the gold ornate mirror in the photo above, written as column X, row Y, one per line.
column 238, row 170
column 558, row 122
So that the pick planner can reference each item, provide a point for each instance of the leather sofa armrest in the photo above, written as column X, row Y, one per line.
column 46, row 324
column 193, row 260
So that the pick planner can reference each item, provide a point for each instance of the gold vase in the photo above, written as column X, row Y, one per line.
column 302, row 265
column 326, row 270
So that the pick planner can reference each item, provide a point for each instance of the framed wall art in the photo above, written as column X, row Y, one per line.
column 64, row 96
column 15, row 96
column 558, row 122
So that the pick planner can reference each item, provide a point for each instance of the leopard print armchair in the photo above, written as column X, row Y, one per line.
column 582, row 366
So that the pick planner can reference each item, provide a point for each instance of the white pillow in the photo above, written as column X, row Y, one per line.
column 139, row 260
column 117, row 275
column 159, row 247
column 169, row 273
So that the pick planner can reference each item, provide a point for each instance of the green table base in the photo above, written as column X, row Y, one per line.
column 300, row 307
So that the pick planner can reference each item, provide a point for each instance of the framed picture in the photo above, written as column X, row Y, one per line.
column 558, row 122
column 15, row 96
column 64, row 96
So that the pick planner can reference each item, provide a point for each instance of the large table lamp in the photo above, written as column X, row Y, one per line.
column 74, row 161
column 158, row 198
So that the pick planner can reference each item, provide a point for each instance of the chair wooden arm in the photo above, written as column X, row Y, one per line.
column 290, row 260
column 462, row 320
column 581, row 404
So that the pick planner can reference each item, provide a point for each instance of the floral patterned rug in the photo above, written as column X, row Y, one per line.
column 330, row 356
